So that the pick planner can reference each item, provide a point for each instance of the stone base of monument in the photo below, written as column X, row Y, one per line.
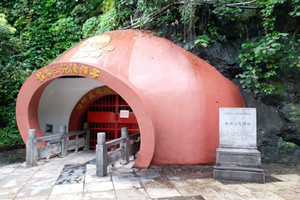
column 244, row 174
column 239, row 164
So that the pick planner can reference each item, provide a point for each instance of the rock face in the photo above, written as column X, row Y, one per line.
column 278, row 131
column 223, row 56
column 291, row 113
column 278, row 115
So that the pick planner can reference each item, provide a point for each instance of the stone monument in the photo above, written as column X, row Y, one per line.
column 237, row 156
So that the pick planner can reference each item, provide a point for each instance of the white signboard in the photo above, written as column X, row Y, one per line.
column 237, row 127
column 124, row 113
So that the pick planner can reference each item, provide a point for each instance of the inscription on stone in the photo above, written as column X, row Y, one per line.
column 237, row 127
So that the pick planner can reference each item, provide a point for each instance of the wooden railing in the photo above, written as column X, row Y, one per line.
column 66, row 142
column 128, row 145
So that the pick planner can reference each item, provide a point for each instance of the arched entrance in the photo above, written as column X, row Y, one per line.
column 109, row 114
column 31, row 91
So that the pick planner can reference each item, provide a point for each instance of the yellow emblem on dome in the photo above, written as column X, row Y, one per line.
column 95, row 43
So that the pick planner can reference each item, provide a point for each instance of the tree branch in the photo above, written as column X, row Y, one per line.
column 149, row 18
column 242, row 3
column 154, row 15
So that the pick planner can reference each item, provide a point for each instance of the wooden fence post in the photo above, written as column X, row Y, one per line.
column 124, row 146
column 101, row 155
column 64, row 141
column 87, row 135
column 31, row 149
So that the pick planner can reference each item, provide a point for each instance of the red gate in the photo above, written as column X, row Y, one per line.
column 104, row 116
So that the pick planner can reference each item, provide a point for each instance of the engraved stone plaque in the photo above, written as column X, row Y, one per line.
column 237, row 127
column 237, row 156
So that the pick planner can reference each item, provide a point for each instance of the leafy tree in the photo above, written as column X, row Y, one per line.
column 12, row 74
column 104, row 22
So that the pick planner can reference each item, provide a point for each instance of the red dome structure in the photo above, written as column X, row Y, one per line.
column 174, row 95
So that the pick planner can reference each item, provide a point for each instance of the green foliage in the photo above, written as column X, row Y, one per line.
column 7, row 40
column 295, row 112
column 188, row 17
column 209, row 37
column 9, row 137
column 143, row 14
column 203, row 40
column 296, row 11
column 61, row 31
column 32, row 34
column 12, row 76
column 261, row 60
column 273, row 52
column 145, row 8
column 6, row 29
column 125, row 9
column 102, row 23
column 286, row 145
column 267, row 13
column 45, row 28
column 224, row 12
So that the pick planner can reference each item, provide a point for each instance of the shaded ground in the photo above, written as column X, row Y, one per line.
column 12, row 154
column 205, row 171
column 185, row 171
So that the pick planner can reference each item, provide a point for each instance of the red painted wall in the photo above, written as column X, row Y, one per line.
column 182, row 92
